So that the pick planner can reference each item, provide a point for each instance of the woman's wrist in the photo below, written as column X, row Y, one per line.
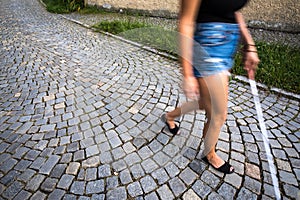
column 250, row 47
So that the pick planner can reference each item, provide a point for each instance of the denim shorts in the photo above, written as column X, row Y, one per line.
column 215, row 45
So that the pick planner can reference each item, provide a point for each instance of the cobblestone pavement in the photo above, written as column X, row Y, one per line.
column 79, row 119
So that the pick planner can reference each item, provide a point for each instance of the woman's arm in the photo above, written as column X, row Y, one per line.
column 251, row 59
column 188, row 13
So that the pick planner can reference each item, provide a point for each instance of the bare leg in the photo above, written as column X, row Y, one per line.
column 214, row 93
column 183, row 109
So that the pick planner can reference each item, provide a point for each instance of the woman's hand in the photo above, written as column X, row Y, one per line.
column 191, row 87
column 251, row 61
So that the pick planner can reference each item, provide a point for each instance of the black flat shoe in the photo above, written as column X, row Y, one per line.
column 225, row 168
column 174, row 130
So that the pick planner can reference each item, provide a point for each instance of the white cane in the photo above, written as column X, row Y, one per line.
column 265, row 138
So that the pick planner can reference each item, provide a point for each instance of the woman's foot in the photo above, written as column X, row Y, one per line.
column 170, row 122
column 220, row 165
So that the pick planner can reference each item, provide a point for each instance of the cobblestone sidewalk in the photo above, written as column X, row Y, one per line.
column 79, row 119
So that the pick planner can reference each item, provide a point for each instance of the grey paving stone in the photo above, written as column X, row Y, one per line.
column 94, row 187
column 227, row 191
column 103, row 147
column 57, row 194
column 13, row 190
column 201, row 189
column 66, row 158
column 112, row 182
column 73, row 168
column 104, row 171
column 148, row 184
column 161, row 176
column 23, row 195
column 49, row 164
column 180, row 161
column 98, row 197
column 149, row 165
column 291, row 191
column 145, row 152
column 188, row 176
column 92, row 151
column 155, row 146
column 25, row 127
column 118, row 153
column 79, row 155
column 151, row 196
column 172, row 169
column 115, row 142
column 288, row 178
column 252, row 185
column 35, row 183
column 246, row 194
column 58, row 170
column 119, row 165
column 78, row 187
column 137, row 171
column 76, row 137
column 91, row 174
column 162, row 158
column 132, row 159
column 48, row 127
column 22, row 165
column 134, row 189
column 252, row 157
column 60, row 150
column 26, row 175
column 278, row 153
column 91, row 162
column 165, row 193
column 49, row 185
column 8, row 165
column 214, row 196
column 128, row 148
column 125, row 177
column 106, row 157
column 177, row 186
column 117, row 193
column 65, row 181
column 9, row 178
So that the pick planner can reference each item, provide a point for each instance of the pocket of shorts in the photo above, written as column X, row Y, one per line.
column 212, row 37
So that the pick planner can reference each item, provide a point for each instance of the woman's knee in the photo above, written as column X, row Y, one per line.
column 218, row 119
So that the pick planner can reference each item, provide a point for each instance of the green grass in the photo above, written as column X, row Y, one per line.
column 117, row 27
column 92, row 10
column 153, row 36
column 279, row 64
column 63, row 6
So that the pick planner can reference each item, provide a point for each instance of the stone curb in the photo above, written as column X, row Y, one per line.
column 274, row 26
column 150, row 49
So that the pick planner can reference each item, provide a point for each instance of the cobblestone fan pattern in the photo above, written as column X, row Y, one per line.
column 79, row 119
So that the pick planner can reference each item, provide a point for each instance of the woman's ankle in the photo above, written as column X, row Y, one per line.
column 168, row 118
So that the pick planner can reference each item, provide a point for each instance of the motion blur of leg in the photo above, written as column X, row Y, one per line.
column 182, row 110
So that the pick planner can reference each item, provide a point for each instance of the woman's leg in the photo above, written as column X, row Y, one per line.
column 214, row 93
column 183, row 109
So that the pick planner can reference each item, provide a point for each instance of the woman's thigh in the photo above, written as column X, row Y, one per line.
column 214, row 94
